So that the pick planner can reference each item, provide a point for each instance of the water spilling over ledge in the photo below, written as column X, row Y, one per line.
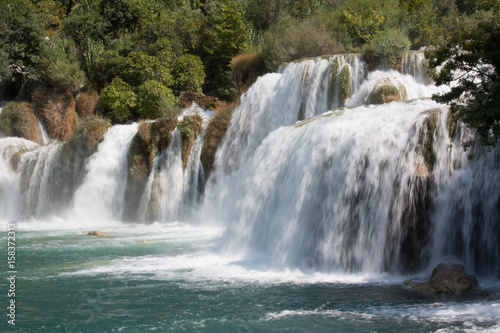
column 310, row 175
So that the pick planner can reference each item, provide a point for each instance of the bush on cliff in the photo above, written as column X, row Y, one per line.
column 155, row 100
column 118, row 99
column 390, row 46
column 18, row 119
column 90, row 132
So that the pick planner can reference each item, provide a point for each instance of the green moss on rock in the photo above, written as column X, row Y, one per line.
column 18, row 119
column 344, row 84
column 190, row 127
column 89, row 132
column 384, row 94
column 332, row 77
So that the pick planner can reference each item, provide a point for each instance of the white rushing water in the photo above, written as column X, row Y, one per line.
column 100, row 197
column 305, row 177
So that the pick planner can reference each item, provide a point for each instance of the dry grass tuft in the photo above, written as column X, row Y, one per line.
column 18, row 119
column 56, row 108
column 86, row 104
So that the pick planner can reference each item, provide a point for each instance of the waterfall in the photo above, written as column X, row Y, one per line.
column 360, row 189
column 101, row 195
column 171, row 180
column 312, row 173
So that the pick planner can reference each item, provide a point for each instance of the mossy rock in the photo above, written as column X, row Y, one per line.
column 18, row 119
column 332, row 78
column 56, row 108
column 344, row 84
column 217, row 128
column 161, row 131
column 190, row 127
column 385, row 91
column 89, row 132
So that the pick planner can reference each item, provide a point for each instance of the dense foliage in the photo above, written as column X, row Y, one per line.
column 138, row 55
column 470, row 59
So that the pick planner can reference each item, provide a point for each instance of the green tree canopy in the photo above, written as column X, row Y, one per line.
column 470, row 60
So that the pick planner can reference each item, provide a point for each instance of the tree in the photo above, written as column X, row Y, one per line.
column 470, row 60
column 21, row 32
column 118, row 99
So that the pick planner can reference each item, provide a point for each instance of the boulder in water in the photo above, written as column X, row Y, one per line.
column 446, row 278
column 97, row 233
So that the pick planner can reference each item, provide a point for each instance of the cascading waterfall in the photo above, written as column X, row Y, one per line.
column 101, row 195
column 308, row 176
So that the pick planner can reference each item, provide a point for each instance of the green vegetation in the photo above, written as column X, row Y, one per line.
column 473, row 51
column 89, row 132
column 138, row 56
column 118, row 99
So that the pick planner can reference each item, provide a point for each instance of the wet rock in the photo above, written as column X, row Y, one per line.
column 386, row 91
column 446, row 278
column 97, row 233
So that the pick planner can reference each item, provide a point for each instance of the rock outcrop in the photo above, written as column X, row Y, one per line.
column 446, row 278
column 151, row 139
column 97, row 233
column 18, row 119
column 56, row 108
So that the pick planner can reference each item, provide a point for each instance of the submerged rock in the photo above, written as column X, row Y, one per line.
column 446, row 278
column 97, row 233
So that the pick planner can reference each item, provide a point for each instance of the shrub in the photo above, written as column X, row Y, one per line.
column 58, row 66
column 139, row 67
column 18, row 119
column 118, row 99
column 155, row 100
column 246, row 68
column 188, row 73
column 365, row 19
column 290, row 39
column 52, row 13
column 391, row 45
column 344, row 84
